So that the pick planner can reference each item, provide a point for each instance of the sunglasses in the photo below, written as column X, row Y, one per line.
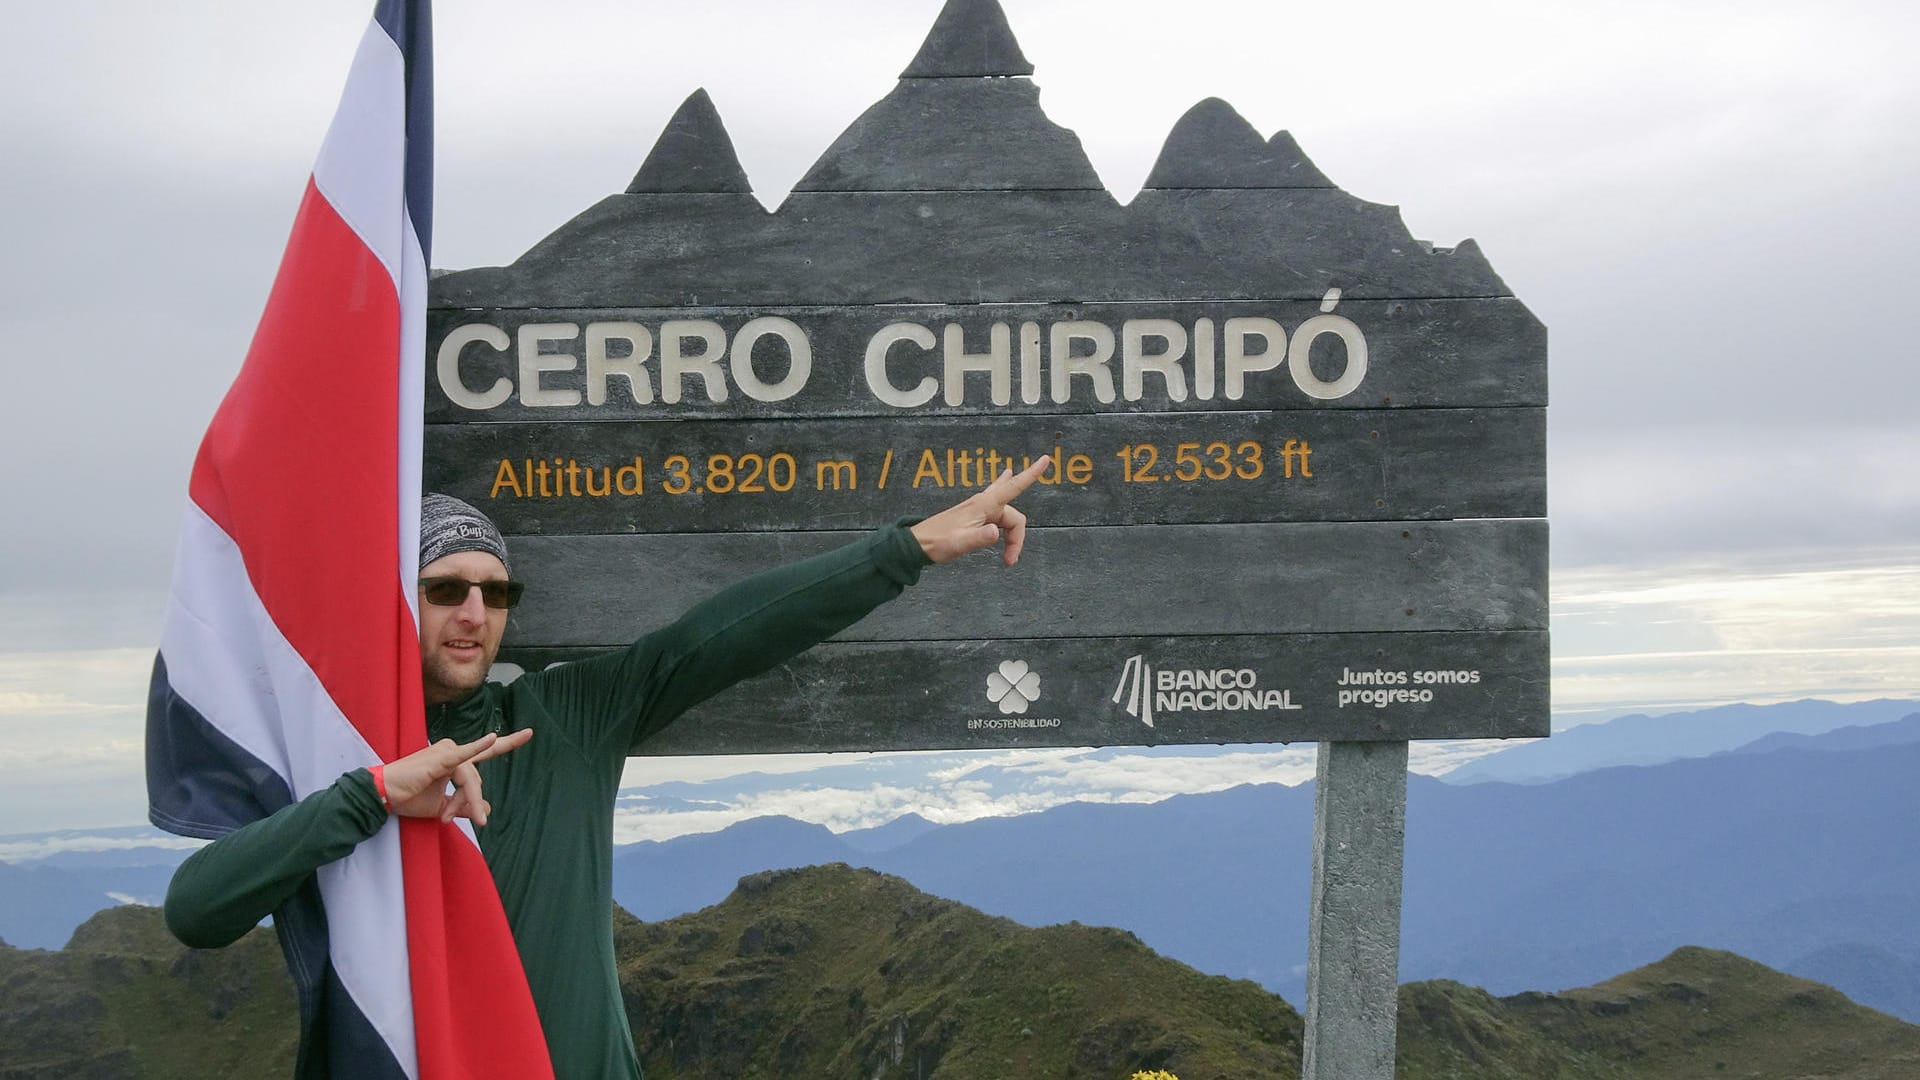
column 452, row 591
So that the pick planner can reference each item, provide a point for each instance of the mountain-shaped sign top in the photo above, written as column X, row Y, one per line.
column 970, row 39
column 1212, row 146
column 957, row 188
column 695, row 155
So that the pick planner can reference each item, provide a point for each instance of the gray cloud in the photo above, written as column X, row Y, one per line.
column 1711, row 219
column 1716, row 247
column 1813, row 490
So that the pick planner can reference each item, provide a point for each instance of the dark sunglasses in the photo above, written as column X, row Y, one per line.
column 452, row 591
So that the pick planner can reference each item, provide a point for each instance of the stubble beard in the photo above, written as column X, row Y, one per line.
column 442, row 679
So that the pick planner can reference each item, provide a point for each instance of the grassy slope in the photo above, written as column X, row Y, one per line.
column 1702, row 1013
column 124, row 999
column 838, row 972
column 1698, row 1013
column 1453, row 1032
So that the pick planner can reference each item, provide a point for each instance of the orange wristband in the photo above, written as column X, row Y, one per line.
column 380, row 785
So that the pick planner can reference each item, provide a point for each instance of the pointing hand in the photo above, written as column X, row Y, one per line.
column 417, row 784
column 982, row 519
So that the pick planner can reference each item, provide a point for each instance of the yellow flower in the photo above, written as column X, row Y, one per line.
column 1157, row 1074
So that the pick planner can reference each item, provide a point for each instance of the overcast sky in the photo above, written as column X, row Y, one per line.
column 1710, row 205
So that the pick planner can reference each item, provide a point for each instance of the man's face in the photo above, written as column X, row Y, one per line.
column 457, row 644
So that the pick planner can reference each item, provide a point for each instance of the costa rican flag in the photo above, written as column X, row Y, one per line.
column 290, row 652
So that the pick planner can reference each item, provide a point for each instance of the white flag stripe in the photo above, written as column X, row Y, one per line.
column 367, row 933
column 362, row 164
column 227, row 659
column 413, row 393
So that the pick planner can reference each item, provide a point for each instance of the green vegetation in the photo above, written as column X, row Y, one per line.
column 124, row 999
column 832, row 971
column 1696, row 1014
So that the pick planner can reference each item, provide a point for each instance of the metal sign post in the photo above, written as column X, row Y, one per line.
column 1299, row 484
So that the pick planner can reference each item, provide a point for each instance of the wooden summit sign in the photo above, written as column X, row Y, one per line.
column 1299, row 483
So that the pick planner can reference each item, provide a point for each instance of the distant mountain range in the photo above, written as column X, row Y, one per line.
column 1801, row 856
column 1640, row 739
column 42, row 901
column 1853, row 737
column 833, row 971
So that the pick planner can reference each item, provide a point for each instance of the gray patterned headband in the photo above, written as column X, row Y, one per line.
column 448, row 525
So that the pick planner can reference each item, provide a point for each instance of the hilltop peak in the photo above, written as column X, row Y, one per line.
column 1697, row 1012
column 833, row 971
column 901, row 830
column 1712, row 977
column 128, row 929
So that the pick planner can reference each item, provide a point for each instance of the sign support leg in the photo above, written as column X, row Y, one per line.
column 1353, row 936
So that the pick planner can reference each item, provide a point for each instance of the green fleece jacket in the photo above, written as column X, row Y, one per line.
column 549, row 839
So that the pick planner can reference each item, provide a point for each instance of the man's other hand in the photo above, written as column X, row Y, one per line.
column 417, row 784
column 982, row 520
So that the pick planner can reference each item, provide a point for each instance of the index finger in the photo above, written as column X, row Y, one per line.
column 502, row 744
column 1010, row 484
column 451, row 755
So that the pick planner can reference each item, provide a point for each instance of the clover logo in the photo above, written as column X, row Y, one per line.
column 1013, row 687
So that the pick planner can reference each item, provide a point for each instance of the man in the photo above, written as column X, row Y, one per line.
column 546, row 803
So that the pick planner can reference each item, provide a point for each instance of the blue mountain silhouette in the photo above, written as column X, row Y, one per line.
column 1782, row 857
column 1640, row 739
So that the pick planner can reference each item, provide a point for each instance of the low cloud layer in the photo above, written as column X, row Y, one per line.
column 949, row 788
column 1634, row 638
column 1763, row 628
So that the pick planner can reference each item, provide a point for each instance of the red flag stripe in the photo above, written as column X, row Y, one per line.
column 304, row 434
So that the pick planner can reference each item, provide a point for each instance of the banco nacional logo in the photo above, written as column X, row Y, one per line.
column 1136, row 685
column 1013, row 687
column 1148, row 690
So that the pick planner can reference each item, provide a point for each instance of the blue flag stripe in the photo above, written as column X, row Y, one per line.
column 410, row 24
